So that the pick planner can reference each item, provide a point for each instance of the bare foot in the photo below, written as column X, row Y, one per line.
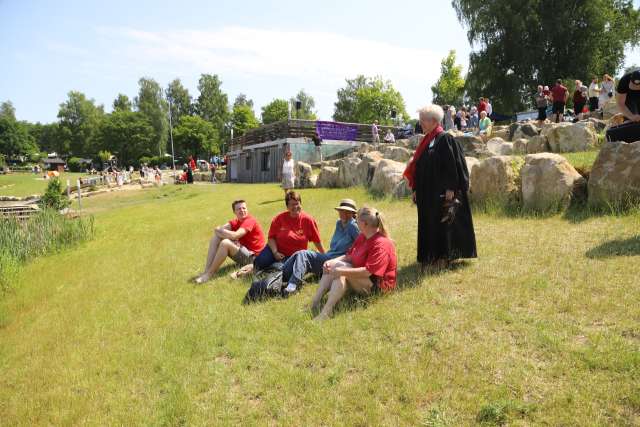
column 321, row 317
column 202, row 279
column 247, row 269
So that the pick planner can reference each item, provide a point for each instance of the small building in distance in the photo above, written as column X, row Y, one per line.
column 257, row 156
column 54, row 164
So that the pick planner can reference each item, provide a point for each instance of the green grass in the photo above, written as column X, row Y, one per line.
column 22, row 184
column 583, row 159
column 542, row 329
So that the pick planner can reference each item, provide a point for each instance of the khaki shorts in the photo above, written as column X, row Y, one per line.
column 243, row 257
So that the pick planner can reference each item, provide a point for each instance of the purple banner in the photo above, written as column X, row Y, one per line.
column 337, row 131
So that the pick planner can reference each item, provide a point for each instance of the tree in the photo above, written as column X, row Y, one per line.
column 366, row 99
column 52, row 139
column 79, row 120
column 195, row 136
column 152, row 104
column 8, row 110
column 449, row 89
column 523, row 44
column 130, row 135
column 306, row 111
column 15, row 139
column 212, row 103
column 242, row 99
column 242, row 119
column 122, row 103
column 180, row 100
column 276, row 110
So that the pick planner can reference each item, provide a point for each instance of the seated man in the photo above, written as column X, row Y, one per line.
column 240, row 239
column 628, row 99
column 307, row 261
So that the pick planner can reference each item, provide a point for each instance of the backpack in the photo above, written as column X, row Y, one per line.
column 266, row 284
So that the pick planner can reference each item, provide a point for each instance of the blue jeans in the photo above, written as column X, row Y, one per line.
column 301, row 263
column 265, row 258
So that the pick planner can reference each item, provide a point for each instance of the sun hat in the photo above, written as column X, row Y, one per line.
column 347, row 205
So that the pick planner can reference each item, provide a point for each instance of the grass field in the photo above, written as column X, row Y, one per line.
column 25, row 184
column 542, row 329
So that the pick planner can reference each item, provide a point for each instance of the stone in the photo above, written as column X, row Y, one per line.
column 471, row 163
column 615, row 175
column 549, row 182
column 500, row 132
column 348, row 172
column 328, row 177
column 398, row 154
column 570, row 137
column 520, row 146
column 610, row 109
column 304, row 172
column 364, row 148
column 221, row 175
column 368, row 166
column 599, row 125
column 525, row 130
column 538, row 144
column 414, row 141
column 499, row 147
column 402, row 189
column 496, row 178
column 404, row 143
column 386, row 176
column 473, row 146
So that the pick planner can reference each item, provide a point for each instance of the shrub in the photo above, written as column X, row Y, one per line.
column 54, row 197
column 74, row 164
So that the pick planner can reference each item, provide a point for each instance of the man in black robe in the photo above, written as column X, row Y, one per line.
column 440, row 174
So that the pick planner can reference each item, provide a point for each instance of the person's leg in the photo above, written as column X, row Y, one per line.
column 299, row 264
column 264, row 259
column 213, row 248
column 336, row 287
column 226, row 248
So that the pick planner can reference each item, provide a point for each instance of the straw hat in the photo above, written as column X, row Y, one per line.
column 347, row 205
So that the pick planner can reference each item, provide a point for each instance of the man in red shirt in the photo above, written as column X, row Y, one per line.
column 241, row 239
column 559, row 95
column 482, row 106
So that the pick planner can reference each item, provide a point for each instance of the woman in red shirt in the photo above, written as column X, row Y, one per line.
column 290, row 232
column 368, row 267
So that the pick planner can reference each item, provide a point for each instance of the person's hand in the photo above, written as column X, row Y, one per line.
column 326, row 267
column 635, row 118
column 278, row 256
column 449, row 195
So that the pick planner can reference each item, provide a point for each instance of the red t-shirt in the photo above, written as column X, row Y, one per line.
column 558, row 92
column 378, row 255
column 254, row 238
column 192, row 164
column 482, row 106
column 293, row 234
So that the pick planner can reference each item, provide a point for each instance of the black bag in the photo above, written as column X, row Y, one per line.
column 266, row 284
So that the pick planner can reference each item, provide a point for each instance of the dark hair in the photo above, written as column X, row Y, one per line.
column 292, row 195
column 236, row 202
column 559, row 81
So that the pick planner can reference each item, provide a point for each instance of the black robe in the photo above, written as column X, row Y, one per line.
column 443, row 167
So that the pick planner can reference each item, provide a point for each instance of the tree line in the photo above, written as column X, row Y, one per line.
column 138, row 129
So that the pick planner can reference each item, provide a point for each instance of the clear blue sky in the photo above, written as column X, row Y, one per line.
column 265, row 49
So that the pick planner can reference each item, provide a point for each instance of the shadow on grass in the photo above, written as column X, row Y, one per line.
column 619, row 247
column 268, row 202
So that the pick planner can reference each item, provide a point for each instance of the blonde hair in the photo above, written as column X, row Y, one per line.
column 373, row 217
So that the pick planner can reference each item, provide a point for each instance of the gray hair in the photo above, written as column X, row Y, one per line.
column 431, row 111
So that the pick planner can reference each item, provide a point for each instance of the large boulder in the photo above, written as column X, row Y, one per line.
column 364, row 148
column 615, row 175
column 549, row 182
column 610, row 109
column 538, row 144
column 525, row 130
column 367, row 167
column 386, row 176
column 414, row 141
column 398, row 154
column 402, row 189
column 570, row 137
column 500, row 132
column 499, row 147
column 348, row 172
column 471, row 163
column 598, row 125
column 520, row 146
column 496, row 178
column 303, row 175
column 328, row 177
column 473, row 146
column 405, row 143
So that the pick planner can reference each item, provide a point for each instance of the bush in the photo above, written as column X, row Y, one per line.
column 74, row 164
column 43, row 233
column 53, row 197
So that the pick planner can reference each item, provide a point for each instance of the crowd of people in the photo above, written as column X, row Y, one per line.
column 361, row 256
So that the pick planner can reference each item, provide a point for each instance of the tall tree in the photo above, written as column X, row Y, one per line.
column 449, row 89
column 276, row 110
column 212, row 104
column 242, row 119
column 152, row 104
column 8, row 110
column 79, row 120
column 242, row 99
column 522, row 44
column 180, row 100
column 366, row 99
column 196, row 136
column 14, row 138
column 52, row 139
column 307, row 106
column 129, row 135
column 122, row 103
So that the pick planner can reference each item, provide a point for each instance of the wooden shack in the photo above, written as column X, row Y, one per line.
column 257, row 156
column 54, row 164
